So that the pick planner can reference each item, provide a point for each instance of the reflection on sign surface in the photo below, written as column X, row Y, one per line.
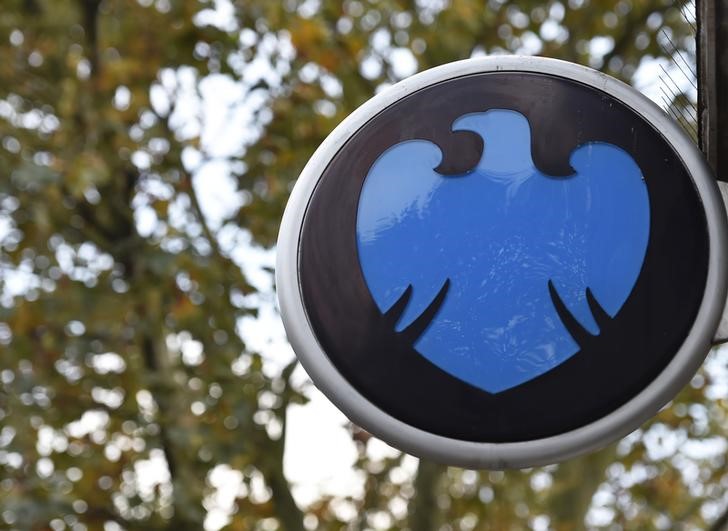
column 517, row 254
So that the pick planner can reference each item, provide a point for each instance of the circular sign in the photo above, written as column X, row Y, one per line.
column 503, row 262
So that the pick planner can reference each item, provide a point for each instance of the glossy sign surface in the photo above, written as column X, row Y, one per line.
column 503, row 262
column 363, row 335
column 500, row 243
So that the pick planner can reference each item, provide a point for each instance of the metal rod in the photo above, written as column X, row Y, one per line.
column 677, row 94
column 688, row 21
column 689, row 76
column 677, row 110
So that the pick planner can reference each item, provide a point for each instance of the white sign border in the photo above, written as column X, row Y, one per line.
column 523, row 454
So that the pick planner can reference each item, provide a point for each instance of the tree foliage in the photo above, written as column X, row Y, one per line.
column 125, row 293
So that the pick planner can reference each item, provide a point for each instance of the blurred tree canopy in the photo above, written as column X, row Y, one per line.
column 126, row 293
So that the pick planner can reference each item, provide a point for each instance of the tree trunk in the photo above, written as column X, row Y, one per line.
column 575, row 483
column 423, row 513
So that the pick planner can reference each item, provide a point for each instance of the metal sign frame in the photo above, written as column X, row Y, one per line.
column 536, row 452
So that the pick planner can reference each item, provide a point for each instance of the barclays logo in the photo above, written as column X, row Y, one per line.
column 514, row 265
column 502, row 256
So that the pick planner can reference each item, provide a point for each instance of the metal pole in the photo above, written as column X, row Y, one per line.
column 712, row 48
column 712, row 20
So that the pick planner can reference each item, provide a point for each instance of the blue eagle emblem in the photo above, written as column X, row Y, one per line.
column 505, row 250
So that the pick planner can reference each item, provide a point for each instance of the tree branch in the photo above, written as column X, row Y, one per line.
column 90, row 11
column 287, row 511
column 721, row 524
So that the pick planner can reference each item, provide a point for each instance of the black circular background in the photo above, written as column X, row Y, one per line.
column 610, row 369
